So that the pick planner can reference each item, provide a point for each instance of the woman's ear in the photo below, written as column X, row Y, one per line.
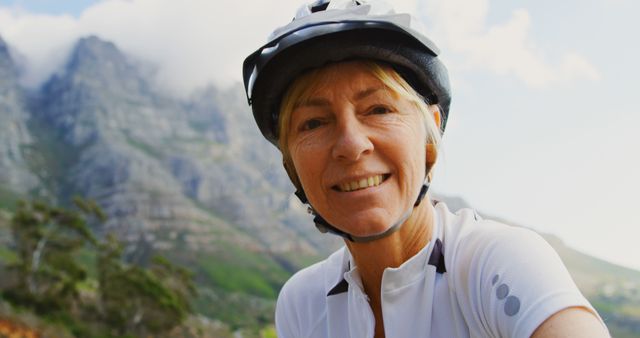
column 435, row 110
column 432, row 156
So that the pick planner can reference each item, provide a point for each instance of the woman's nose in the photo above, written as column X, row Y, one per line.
column 351, row 141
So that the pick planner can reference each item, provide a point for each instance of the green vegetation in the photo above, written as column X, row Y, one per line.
column 613, row 290
column 238, row 310
column 142, row 301
column 582, row 268
column 8, row 256
column 238, row 270
column 46, row 240
column 269, row 332
column 620, row 310
column 47, row 274
column 8, row 199
column 298, row 261
column 143, row 147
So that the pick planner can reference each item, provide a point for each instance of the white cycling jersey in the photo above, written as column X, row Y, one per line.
column 475, row 278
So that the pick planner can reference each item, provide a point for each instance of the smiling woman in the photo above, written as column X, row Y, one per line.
column 320, row 109
column 332, row 138
column 355, row 97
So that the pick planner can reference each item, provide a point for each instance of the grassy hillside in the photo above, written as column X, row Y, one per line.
column 8, row 199
column 613, row 290
column 591, row 273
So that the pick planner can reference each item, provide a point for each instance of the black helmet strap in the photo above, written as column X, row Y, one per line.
column 323, row 226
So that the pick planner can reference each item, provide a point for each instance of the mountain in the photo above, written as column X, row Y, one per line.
column 187, row 177
column 15, row 137
column 143, row 155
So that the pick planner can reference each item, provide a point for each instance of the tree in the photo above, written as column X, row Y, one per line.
column 142, row 301
column 47, row 241
column 130, row 300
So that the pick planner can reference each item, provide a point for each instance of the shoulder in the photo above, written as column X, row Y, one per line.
column 500, row 272
column 489, row 252
column 469, row 240
column 301, row 303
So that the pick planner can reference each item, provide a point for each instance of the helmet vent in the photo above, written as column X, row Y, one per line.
column 320, row 7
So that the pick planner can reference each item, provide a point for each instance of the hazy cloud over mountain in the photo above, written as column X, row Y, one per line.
column 197, row 42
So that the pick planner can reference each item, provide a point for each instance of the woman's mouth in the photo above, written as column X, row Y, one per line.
column 368, row 182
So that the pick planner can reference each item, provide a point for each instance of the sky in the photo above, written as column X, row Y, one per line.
column 543, row 124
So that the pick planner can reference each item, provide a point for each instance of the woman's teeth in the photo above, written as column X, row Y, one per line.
column 372, row 181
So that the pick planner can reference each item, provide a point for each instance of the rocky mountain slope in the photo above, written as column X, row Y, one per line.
column 188, row 178
column 162, row 168
column 15, row 137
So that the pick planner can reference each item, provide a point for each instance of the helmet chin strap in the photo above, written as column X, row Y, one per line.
column 324, row 226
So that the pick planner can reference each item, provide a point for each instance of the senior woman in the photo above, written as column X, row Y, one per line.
column 356, row 99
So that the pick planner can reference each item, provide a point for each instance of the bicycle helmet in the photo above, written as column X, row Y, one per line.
column 339, row 30
column 330, row 31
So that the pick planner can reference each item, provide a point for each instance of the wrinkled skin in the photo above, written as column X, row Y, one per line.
column 351, row 128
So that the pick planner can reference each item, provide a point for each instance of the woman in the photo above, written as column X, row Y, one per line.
column 355, row 98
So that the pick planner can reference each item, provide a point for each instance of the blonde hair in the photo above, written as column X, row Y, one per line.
column 305, row 85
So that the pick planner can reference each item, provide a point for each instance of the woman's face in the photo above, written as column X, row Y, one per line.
column 359, row 150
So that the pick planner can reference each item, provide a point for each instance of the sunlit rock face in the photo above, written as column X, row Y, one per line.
column 190, row 173
column 15, row 138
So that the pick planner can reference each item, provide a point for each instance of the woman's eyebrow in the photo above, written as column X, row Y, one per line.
column 322, row 102
column 315, row 102
column 366, row 92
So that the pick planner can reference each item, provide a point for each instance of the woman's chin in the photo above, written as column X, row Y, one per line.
column 361, row 225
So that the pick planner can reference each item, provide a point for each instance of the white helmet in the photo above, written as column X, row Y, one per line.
column 330, row 31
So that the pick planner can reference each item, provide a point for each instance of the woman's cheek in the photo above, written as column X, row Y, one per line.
column 304, row 157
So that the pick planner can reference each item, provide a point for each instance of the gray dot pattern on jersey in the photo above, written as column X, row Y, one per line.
column 512, row 303
column 503, row 291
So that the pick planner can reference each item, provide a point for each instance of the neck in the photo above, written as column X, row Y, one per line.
column 391, row 251
column 372, row 258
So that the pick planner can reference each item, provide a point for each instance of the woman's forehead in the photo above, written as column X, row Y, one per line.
column 352, row 78
column 348, row 70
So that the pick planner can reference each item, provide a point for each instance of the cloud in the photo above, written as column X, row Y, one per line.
column 42, row 42
column 507, row 48
column 192, row 42
column 196, row 42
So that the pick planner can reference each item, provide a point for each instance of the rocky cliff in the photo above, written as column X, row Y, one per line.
column 190, row 178
column 15, row 137
column 161, row 167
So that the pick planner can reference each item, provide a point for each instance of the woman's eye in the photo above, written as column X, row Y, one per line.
column 311, row 124
column 377, row 110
